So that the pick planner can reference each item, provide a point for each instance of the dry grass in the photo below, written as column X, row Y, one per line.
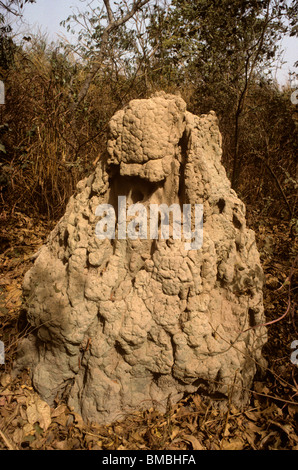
column 49, row 147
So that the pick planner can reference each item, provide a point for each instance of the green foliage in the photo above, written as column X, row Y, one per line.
column 293, row 18
column 7, row 46
column 213, row 43
column 218, row 48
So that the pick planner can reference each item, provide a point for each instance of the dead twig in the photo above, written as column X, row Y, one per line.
column 6, row 441
column 287, row 281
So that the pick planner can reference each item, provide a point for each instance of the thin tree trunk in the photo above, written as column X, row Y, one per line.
column 241, row 102
column 112, row 26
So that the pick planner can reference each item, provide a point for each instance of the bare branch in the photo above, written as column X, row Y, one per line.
column 137, row 5
column 112, row 26
column 9, row 9
column 109, row 11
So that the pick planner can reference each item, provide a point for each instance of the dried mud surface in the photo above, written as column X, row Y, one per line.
column 268, row 422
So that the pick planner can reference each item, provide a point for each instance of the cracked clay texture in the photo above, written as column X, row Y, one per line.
column 121, row 325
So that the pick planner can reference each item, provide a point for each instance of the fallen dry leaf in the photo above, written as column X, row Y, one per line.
column 61, row 409
column 196, row 445
column 175, row 432
column 17, row 436
column 61, row 445
column 253, row 416
column 5, row 380
column 233, row 444
column 39, row 411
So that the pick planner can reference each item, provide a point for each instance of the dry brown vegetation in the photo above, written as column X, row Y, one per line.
column 47, row 146
column 268, row 422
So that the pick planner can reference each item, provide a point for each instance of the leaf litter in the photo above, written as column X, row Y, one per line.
column 268, row 422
